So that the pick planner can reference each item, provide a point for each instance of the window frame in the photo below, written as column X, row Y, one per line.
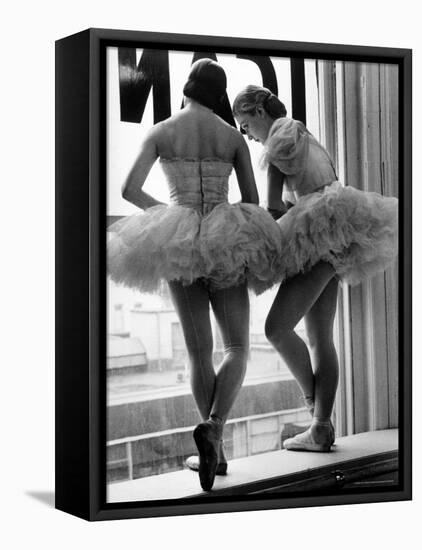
column 80, row 374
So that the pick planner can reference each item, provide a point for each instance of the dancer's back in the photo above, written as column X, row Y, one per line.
column 197, row 133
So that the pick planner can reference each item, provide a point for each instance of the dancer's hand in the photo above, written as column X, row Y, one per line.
column 276, row 213
column 154, row 204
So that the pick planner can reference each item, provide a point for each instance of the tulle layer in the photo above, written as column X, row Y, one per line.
column 356, row 231
column 230, row 245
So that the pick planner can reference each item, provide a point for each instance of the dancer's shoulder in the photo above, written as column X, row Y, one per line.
column 285, row 127
column 287, row 145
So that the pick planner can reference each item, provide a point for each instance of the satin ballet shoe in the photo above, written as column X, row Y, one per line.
column 332, row 434
column 207, row 436
column 310, row 405
column 192, row 462
column 306, row 441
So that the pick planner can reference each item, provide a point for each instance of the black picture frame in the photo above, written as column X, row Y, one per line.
column 80, row 273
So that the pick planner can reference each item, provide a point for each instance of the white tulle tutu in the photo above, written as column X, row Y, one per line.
column 230, row 245
column 355, row 231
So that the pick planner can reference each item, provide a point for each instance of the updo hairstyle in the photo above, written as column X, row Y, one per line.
column 252, row 97
column 206, row 83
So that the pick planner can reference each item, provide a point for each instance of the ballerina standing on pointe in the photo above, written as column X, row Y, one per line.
column 332, row 232
column 209, row 251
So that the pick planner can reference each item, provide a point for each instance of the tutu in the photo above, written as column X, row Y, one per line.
column 146, row 248
column 353, row 230
column 199, row 236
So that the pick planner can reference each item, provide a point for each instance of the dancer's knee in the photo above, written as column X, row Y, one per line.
column 276, row 330
column 236, row 352
column 200, row 350
column 320, row 340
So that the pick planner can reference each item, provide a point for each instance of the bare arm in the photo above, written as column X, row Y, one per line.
column 275, row 182
column 132, row 187
column 245, row 176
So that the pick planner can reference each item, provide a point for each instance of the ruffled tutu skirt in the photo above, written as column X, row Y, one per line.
column 355, row 231
column 230, row 245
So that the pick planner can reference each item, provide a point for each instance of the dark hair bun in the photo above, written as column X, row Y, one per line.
column 274, row 106
column 207, row 83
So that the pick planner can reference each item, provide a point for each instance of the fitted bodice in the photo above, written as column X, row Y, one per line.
column 198, row 184
column 305, row 163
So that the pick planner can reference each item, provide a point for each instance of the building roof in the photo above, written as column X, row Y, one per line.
column 123, row 347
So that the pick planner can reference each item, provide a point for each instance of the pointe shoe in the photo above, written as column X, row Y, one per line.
column 207, row 437
column 192, row 462
column 332, row 434
column 306, row 442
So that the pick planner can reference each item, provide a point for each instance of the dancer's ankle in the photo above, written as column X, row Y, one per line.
column 309, row 403
column 221, row 456
column 217, row 426
column 217, row 420
column 320, row 430
column 321, row 422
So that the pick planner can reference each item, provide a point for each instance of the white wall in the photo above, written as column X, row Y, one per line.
column 154, row 331
column 26, row 407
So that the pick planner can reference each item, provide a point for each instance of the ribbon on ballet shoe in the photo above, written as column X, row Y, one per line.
column 318, row 421
column 326, row 422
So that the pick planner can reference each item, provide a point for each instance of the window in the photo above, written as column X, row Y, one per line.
column 151, row 412
column 356, row 96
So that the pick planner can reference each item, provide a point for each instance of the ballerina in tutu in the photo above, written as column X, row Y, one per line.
column 209, row 251
column 332, row 232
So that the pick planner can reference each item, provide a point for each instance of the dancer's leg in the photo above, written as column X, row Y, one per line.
column 231, row 310
column 319, row 322
column 294, row 299
column 192, row 306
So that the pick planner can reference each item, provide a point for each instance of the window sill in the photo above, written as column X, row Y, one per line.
column 361, row 455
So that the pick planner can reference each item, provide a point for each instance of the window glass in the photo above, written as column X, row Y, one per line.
column 150, row 408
